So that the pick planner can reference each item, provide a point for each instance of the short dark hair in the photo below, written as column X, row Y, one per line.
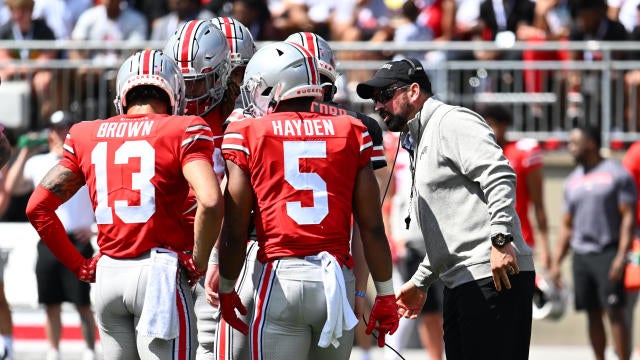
column 144, row 93
column 593, row 133
column 498, row 113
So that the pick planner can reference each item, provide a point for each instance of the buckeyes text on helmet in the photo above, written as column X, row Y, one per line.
column 280, row 71
column 150, row 68
column 202, row 54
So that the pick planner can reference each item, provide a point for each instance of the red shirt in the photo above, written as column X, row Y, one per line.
column 524, row 156
column 132, row 165
column 631, row 162
column 302, row 167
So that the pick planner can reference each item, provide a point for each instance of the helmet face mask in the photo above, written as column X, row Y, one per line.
column 277, row 72
column 549, row 301
column 202, row 53
column 153, row 68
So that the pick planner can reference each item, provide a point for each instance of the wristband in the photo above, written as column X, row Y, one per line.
column 361, row 294
column 384, row 287
column 226, row 285
column 213, row 257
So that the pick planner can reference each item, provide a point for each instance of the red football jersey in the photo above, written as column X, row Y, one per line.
column 132, row 165
column 302, row 167
column 524, row 156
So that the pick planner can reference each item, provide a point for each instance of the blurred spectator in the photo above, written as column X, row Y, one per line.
column 624, row 11
column 437, row 16
column 408, row 30
column 255, row 15
column 632, row 81
column 291, row 16
column 23, row 27
column 57, row 284
column 182, row 11
column 600, row 200
column 552, row 22
column 527, row 160
column 112, row 20
column 467, row 19
column 503, row 21
column 369, row 21
column 151, row 9
column 591, row 23
column 60, row 15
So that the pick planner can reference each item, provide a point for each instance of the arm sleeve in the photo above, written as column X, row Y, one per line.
column 366, row 143
column 41, row 213
column 378, row 160
column 468, row 142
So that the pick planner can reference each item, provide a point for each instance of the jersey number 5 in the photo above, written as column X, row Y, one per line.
column 140, row 181
column 293, row 152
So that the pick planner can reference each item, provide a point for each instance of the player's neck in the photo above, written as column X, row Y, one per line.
column 151, row 108
column 299, row 104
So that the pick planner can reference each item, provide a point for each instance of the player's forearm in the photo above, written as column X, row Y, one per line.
column 562, row 245
column 232, row 250
column 360, row 269
column 377, row 253
column 207, row 227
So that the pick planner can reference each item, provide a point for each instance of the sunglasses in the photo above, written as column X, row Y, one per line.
column 387, row 94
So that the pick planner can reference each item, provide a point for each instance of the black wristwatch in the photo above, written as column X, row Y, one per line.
column 500, row 240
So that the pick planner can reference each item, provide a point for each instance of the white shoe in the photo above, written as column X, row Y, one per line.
column 53, row 355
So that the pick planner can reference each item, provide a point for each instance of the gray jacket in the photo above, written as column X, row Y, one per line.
column 464, row 193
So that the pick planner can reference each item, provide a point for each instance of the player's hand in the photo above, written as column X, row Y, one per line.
column 616, row 271
column 383, row 317
column 193, row 273
column 229, row 302
column 410, row 300
column 503, row 265
column 87, row 271
column 211, row 285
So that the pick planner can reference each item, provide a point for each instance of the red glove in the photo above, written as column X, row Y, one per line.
column 193, row 274
column 229, row 302
column 385, row 313
column 87, row 271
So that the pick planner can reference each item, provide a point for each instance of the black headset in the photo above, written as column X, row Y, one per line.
column 415, row 66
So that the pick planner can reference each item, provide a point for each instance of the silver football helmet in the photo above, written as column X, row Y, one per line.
column 239, row 38
column 202, row 53
column 549, row 301
column 150, row 67
column 279, row 71
column 320, row 48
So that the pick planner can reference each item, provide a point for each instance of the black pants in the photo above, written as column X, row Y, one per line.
column 481, row 323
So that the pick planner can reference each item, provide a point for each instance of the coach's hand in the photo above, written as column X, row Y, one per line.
column 411, row 299
column 87, row 271
column 193, row 273
column 229, row 302
column 383, row 317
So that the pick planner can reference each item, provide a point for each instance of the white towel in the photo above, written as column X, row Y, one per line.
column 340, row 316
column 159, row 318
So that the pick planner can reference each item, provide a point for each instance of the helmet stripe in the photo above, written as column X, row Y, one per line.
column 186, row 50
column 229, row 32
column 310, row 40
column 312, row 72
column 146, row 63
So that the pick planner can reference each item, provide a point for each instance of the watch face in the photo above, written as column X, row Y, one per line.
column 499, row 240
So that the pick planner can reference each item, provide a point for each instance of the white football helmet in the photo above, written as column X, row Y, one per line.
column 202, row 53
column 279, row 71
column 320, row 48
column 549, row 301
column 239, row 38
column 150, row 67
